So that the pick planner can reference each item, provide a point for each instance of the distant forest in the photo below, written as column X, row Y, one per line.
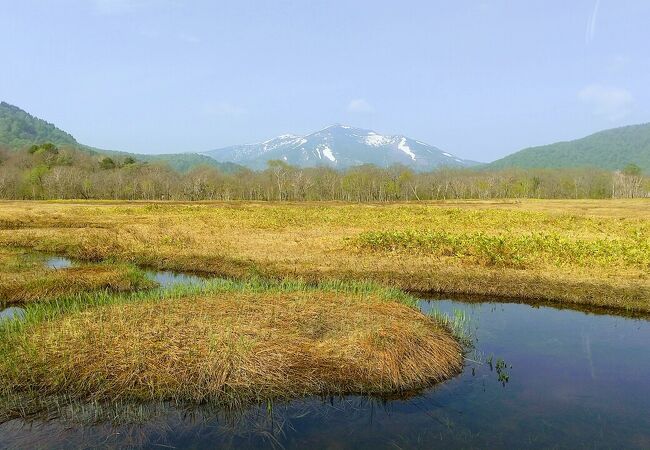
column 48, row 171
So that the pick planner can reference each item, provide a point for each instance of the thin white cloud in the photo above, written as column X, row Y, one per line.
column 590, row 32
column 224, row 109
column 611, row 102
column 359, row 105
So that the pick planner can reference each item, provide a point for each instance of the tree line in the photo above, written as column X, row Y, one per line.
column 46, row 171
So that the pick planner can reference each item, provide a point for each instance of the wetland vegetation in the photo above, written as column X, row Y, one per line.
column 226, row 342
column 25, row 278
column 281, row 303
column 586, row 252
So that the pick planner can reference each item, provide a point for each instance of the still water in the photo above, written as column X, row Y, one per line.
column 163, row 278
column 575, row 380
column 169, row 279
column 11, row 313
column 14, row 312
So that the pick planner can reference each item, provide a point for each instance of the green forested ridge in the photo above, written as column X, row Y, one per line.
column 178, row 161
column 19, row 129
column 612, row 149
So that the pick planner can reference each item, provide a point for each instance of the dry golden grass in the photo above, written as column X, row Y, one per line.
column 25, row 278
column 317, row 241
column 230, row 346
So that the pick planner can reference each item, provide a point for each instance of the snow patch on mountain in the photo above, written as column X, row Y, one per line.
column 376, row 140
column 403, row 146
column 327, row 152
column 340, row 146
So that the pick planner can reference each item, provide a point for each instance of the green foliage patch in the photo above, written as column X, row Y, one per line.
column 513, row 250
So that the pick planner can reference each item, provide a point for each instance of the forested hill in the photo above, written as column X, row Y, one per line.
column 18, row 129
column 181, row 162
column 612, row 149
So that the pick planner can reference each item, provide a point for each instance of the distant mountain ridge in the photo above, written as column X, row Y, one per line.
column 340, row 146
column 19, row 129
column 611, row 149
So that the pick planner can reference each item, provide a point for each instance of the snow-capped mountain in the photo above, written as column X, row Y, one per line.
column 340, row 146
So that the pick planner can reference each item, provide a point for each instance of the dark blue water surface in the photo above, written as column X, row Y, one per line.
column 575, row 380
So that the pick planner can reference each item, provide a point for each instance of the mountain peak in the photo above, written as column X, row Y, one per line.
column 340, row 146
column 333, row 128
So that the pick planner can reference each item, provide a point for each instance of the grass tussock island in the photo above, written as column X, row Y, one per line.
column 227, row 342
column 588, row 252
column 25, row 278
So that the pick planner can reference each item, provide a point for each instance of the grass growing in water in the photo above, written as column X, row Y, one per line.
column 25, row 278
column 227, row 342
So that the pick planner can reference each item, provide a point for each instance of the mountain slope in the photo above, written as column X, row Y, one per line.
column 181, row 162
column 19, row 129
column 610, row 149
column 340, row 146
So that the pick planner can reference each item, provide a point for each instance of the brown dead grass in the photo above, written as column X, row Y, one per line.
column 311, row 241
column 36, row 286
column 232, row 348
column 25, row 278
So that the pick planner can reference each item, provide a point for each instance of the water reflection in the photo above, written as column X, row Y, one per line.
column 58, row 262
column 11, row 313
column 169, row 279
column 575, row 380
column 163, row 278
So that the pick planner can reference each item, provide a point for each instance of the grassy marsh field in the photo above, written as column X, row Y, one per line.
column 312, row 299
column 591, row 252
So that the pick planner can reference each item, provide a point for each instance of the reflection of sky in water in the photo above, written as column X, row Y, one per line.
column 577, row 380
column 11, row 313
column 164, row 278
column 58, row 263
column 55, row 262
column 168, row 279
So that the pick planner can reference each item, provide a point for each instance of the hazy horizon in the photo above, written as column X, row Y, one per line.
column 479, row 79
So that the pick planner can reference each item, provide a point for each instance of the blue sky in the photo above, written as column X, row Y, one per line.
column 480, row 79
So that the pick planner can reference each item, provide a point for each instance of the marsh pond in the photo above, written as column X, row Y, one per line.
column 537, row 377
